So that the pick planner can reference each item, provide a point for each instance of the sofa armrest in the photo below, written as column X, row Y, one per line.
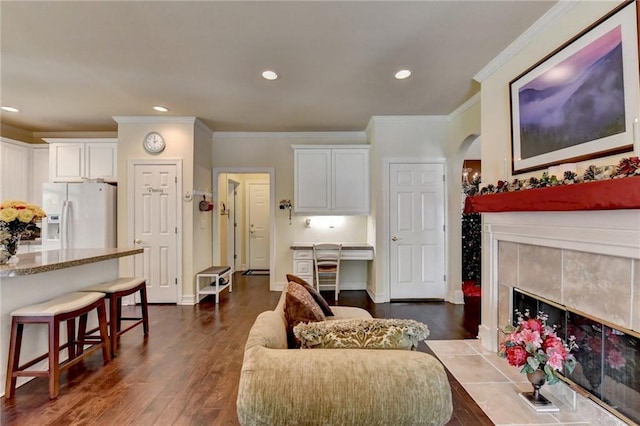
column 342, row 386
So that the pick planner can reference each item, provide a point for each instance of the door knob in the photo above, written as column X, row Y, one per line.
column 394, row 238
column 137, row 241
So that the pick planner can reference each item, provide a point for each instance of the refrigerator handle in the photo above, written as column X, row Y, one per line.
column 64, row 225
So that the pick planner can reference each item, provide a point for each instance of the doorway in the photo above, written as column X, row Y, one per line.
column 153, row 222
column 258, row 220
column 247, row 195
column 417, row 231
column 229, row 209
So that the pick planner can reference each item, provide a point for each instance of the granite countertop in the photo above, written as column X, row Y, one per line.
column 345, row 246
column 51, row 260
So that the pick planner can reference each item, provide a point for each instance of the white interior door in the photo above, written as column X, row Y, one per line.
column 416, row 230
column 259, row 235
column 155, row 229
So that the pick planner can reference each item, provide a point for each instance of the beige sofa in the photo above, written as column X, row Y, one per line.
column 280, row 386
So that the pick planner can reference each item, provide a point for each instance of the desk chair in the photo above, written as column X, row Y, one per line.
column 326, row 258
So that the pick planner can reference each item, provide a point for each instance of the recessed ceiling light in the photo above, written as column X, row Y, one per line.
column 160, row 108
column 269, row 75
column 10, row 109
column 402, row 74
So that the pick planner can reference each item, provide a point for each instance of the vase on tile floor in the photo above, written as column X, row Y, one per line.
column 535, row 398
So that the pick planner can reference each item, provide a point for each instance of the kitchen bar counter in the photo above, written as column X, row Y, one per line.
column 51, row 260
column 41, row 276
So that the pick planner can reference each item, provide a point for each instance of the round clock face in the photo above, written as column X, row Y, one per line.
column 153, row 142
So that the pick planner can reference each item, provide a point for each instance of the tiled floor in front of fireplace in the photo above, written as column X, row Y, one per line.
column 495, row 386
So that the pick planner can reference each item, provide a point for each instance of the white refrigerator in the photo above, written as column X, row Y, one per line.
column 79, row 215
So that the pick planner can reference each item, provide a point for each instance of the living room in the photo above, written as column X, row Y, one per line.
column 441, row 138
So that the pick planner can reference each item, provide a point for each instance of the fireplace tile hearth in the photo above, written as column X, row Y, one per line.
column 494, row 385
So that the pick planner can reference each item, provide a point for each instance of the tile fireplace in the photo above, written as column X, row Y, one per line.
column 585, row 261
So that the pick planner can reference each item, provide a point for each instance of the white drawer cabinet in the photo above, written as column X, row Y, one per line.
column 303, row 264
column 73, row 160
column 331, row 179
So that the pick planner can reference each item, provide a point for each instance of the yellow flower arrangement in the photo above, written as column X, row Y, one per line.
column 15, row 217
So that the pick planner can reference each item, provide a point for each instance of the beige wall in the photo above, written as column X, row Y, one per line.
column 400, row 138
column 184, row 138
column 496, row 132
column 250, row 151
column 464, row 129
column 202, row 222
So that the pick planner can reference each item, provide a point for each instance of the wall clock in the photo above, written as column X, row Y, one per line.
column 153, row 143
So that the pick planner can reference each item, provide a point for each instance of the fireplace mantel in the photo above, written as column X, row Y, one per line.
column 611, row 194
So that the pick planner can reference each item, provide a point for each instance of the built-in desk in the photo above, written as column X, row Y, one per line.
column 353, row 275
column 41, row 276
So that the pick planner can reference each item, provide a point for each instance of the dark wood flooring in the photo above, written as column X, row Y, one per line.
column 186, row 371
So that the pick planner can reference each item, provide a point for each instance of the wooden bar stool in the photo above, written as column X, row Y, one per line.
column 114, row 291
column 64, row 308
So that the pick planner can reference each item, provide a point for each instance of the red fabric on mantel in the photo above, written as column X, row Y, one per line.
column 611, row 194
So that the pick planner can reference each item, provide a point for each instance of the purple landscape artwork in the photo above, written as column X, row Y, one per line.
column 578, row 100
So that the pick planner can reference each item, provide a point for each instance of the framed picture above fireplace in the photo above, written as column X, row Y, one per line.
column 582, row 100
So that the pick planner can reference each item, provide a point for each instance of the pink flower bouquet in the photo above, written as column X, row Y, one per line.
column 533, row 345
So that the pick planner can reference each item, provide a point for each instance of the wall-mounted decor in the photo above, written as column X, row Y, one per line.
column 580, row 102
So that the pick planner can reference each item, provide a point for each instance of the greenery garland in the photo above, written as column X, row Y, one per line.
column 627, row 167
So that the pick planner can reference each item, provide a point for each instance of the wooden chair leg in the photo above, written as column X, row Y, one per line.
column 82, row 333
column 14, row 357
column 54, row 358
column 145, row 309
column 114, row 322
column 71, row 338
column 104, row 334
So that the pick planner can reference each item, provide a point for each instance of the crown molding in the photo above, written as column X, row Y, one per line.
column 68, row 135
column 153, row 119
column 558, row 10
column 199, row 124
column 350, row 137
column 396, row 118
column 472, row 101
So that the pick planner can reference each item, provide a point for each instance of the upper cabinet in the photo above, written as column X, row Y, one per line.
column 331, row 179
column 74, row 160
column 23, row 169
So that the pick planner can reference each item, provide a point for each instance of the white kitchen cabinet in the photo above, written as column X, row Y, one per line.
column 15, row 170
column 23, row 169
column 331, row 179
column 39, row 172
column 74, row 160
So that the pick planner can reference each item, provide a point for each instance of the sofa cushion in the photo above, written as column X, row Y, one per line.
column 313, row 292
column 299, row 307
column 374, row 333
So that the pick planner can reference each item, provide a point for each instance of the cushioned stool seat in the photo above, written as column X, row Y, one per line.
column 114, row 291
column 64, row 308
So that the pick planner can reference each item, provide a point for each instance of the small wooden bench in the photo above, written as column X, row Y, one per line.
column 214, row 287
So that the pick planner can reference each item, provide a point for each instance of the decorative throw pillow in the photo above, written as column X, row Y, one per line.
column 326, row 309
column 299, row 307
column 372, row 333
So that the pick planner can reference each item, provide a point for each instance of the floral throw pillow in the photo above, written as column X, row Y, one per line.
column 299, row 307
column 372, row 333
column 326, row 309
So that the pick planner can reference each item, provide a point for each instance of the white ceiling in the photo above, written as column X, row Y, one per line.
column 72, row 66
